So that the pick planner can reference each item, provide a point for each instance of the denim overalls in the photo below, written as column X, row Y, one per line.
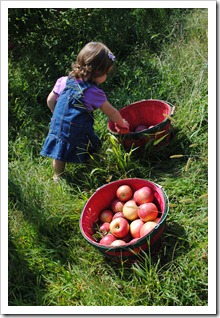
column 71, row 135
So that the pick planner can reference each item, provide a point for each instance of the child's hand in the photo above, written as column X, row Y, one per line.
column 122, row 129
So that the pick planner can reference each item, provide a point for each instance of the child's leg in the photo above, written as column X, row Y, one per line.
column 58, row 167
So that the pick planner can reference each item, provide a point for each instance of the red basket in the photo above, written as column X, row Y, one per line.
column 102, row 199
column 149, row 112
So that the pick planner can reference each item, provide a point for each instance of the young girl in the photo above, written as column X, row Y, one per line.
column 72, row 101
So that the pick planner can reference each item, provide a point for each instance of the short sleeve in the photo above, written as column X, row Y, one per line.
column 93, row 97
column 60, row 85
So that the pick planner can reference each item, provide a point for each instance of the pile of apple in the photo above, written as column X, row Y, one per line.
column 131, row 215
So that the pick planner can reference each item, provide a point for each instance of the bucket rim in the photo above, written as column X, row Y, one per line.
column 148, row 130
column 141, row 240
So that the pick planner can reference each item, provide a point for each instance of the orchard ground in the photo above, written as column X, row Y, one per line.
column 161, row 54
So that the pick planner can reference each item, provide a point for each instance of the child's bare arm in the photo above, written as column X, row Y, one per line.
column 51, row 101
column 114, row 115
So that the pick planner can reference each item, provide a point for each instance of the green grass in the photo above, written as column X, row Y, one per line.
column 50, row 263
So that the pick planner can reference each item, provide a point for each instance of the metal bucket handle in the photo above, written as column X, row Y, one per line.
column 173, row 107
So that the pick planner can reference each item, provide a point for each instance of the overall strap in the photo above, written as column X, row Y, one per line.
column 79, row 87
column 74, row 91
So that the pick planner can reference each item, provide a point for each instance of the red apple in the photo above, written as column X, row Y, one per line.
column 140, row 128
column 107, row 239
column 118, row 215
column 147, row 211
column 135, row 227
column 106, row 216
column 147, row 228
column 133, row 240
column 117, row 205
column 124, row 193
column 130, row 210
column 119, row 227
column 150, row 126
column 157, row 220
column 118, row 243
column 105, row 227
column 143, row 195
column 127, row 238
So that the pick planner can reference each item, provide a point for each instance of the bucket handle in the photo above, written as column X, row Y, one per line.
column 173, row 107
column 172, row 110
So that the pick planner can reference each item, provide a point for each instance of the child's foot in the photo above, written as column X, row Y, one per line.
column 56, row 178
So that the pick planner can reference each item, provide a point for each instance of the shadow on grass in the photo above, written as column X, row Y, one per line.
column 147, row 162
column 25, row 288
column 172, row 244
column 176, row 144
column 52, row 234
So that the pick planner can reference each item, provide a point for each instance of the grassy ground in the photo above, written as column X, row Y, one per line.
column 51, row 264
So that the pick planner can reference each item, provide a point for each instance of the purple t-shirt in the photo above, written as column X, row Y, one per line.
column 93, row 97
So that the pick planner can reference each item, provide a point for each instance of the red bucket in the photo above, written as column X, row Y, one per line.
column 101, row 200
column 150, row 112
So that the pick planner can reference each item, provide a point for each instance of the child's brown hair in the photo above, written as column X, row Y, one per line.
column 94, row 60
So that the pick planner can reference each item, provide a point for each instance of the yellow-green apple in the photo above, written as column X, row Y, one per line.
column 135, row 227
column 130, row 210
column 147, row 211
column 107, row 239
column 124, row 193
column 140, row 128
column 117, row 205
column 106, row 216
column 143, row 195
column 105, row 227
column 119, row 227
column 147, row 228
column 118, row 215
column 118, row 243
